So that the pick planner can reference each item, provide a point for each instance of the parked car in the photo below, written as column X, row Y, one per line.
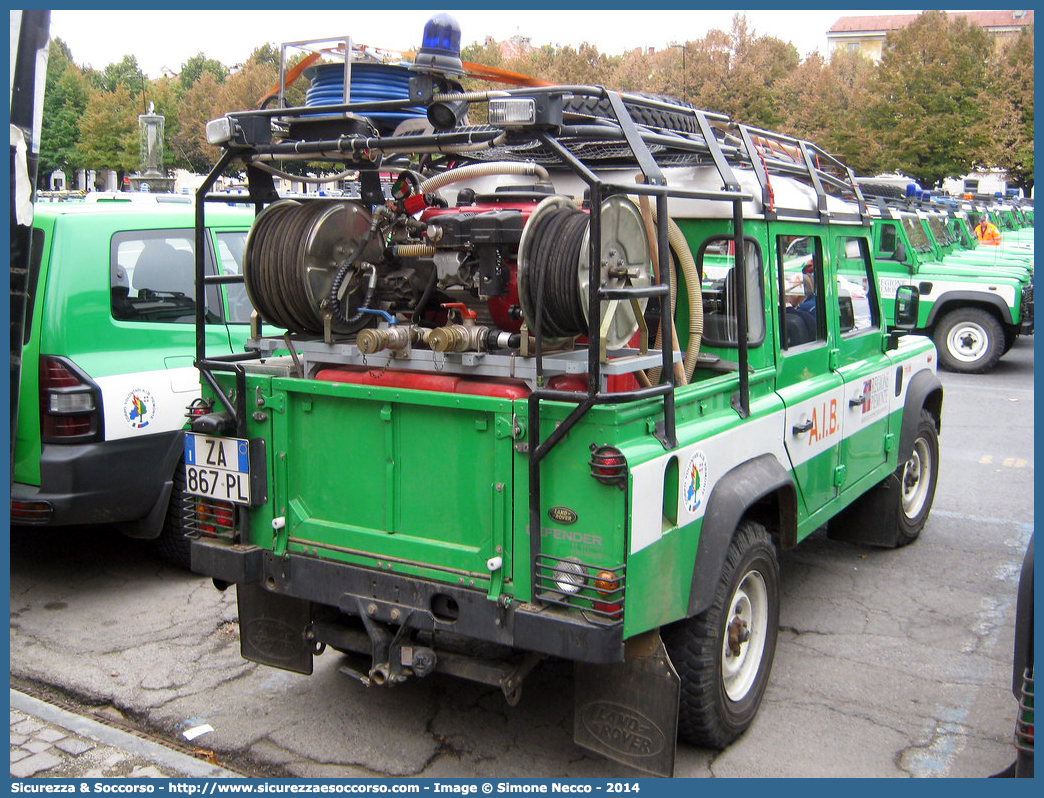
column 107, row 367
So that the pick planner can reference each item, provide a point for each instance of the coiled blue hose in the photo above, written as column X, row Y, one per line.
column 370, row 83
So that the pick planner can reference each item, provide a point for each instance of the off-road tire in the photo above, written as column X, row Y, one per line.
column 1011, row 335
column 918, row 477
column 707, row 715
column 969, row 340
column 172, row 545
column 652, row 117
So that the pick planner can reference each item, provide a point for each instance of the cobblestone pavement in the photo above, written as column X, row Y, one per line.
column 50, row 742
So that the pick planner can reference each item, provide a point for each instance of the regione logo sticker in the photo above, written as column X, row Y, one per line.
column 139, row 408
column 694, row 482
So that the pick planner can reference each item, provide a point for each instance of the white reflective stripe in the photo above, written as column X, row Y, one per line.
column 766, row 435
column 941, row 285
column 721, row 453
column 824, row 412
column 144, row 402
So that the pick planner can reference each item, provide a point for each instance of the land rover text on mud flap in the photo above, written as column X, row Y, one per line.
column 491, row 428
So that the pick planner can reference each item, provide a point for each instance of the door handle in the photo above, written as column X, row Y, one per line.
column 798, row 429
column 856, row 401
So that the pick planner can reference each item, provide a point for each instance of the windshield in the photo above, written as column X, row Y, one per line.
column 915, row 233
column 941, row 232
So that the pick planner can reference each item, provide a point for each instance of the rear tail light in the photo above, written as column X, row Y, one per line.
column 30, row 512
column 607, row 584
column 70, row 403
column 210, row 517
column 608, row 465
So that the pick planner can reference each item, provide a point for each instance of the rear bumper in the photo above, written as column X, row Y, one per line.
column 416, row 603
column 126, row 481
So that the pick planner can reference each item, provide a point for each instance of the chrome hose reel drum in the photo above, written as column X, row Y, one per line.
column 305, row 261
column 554, row 275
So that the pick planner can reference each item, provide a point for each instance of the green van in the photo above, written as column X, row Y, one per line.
column 107, row 365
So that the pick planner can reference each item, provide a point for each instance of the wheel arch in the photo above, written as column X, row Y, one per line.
column 924, row 392
column 760, row 488
column 954, row 300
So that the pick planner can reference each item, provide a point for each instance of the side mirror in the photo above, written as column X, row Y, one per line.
column 900, row 252
column 907, row 299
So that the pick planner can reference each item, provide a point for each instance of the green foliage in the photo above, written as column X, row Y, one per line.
column 127, row 74
column 193, row 69
column 266, row 55
column 1009, row 103
column 109, row 131
column 926, row 107
column 65, row 99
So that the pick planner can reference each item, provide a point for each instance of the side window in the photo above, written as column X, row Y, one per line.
column 230, row 247
column 856, row 289
column 799, row 264
column 716, row 261
column 152, row 277
column 888, row 239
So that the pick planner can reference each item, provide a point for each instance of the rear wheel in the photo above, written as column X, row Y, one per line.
column 724, row 655
column 918, row 477
column 970, row 340
column 172, row 545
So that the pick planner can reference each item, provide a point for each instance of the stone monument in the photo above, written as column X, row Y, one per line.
column 152, row 177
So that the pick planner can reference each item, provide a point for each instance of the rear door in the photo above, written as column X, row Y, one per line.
column 862, row 366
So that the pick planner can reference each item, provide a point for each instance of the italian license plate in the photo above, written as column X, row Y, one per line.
column 217, row 467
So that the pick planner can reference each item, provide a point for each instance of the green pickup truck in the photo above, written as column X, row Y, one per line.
column 107, row 367
column 973, row 306
column 484, row 449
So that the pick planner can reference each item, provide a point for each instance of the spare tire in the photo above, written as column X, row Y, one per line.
column 642, row 115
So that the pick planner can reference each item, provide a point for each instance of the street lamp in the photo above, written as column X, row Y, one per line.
column 685, row 77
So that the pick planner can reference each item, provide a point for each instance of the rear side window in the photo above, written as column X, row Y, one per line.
column 716, row 262
column 152, row 277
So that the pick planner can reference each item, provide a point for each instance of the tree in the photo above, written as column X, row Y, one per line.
column 193, row 69
column 127, row 74
column 267, row 55
column 188, row 142
column 1009, row 105
column 65, row 99
column 926, row 108
column 109, row 131
column 825, row 102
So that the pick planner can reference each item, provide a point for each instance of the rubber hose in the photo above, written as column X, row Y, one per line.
column 682, row 255
column 482, row 170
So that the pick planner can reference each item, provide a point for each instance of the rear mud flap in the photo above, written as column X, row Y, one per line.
column 628, row 712
column 272, row 629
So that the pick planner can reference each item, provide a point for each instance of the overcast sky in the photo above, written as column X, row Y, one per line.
column 169, row 38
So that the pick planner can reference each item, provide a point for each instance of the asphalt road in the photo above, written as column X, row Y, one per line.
column 889, row 663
